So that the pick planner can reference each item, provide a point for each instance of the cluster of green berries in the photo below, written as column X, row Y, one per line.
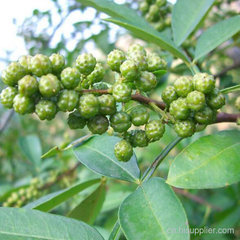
column 156, row 12
column 24, row 195
column 193, row 102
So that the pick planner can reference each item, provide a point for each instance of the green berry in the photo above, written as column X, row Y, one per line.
column 139, row 116
column 7, row 95
column 237, row 103
column 161, row 3
column 205, row 116
column 13, row 73
column 88, row 105
column 129, row 70
column 169, row 95
column 120, row 122
column 85, row 82
column 184, row 128
column 121, row 92
column 183, row 86
column 139, row 60
column 216, row 100
column 139, row 138
column 123, row 151
column 68, row 100
column 25, row 62
column 144, row 7
column 58, row 62
column 107, row 104
column 179, row 109
column 204, row 82
column 155, row 62
column 70, row 77
column 146, row 81
column 196, row 100
column 136, row 48
column 28, row 85
column 153, row 13
column 40, row 65
column 85, row 63
column 98, row 124
column 75, row 120
column 115, row 59
column 154, row 130
column 23, row 104
column 159, row 26
column 97, row 74
column 46, row 109
column 49, row 85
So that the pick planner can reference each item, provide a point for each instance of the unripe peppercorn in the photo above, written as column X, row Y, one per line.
column 46, row 110
column 121, row 92
column 196, row 100
column 28, row 85
column 184, row 128
column 97, row 74
column 107, row 104
column 49, row 85
column 23, row 104
column 205, row 116
column 169, row 95
column 216, row 99
column 139, row 60
column 155, row 62
column 203, row 82
column 7, row 95
column 136, row 48
column 179, row 109
column 161, row 3
column 123, row 151
column 129, row 70
column 76, row 121
column 139, row 116
column 144, row 7
column 70, row 77
column 120, row 122
column 115, row 58
column 98, row 124
column 58, row 62
column 154, row 130
column 146, row 81
column 139, row 138
column 68, row 100
column 40, row 65
column 88, row 105
column 25, row 62
column 183, row 86
column 86, row 63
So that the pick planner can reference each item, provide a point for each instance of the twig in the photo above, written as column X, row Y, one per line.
column 225, row 70
column 195, row 198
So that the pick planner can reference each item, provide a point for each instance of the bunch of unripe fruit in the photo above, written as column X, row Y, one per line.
column 156, row 12
column 44, row 85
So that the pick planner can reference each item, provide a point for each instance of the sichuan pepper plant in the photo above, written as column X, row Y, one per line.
column 122, row 116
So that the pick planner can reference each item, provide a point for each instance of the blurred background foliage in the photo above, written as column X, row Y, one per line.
column 24, row 139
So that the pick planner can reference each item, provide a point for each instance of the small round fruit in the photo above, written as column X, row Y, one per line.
column 121, row 92
column 144, row 7
column 237, row 103
column 196, row 100
column 120, row 122
column 13, row 73
column 139, row 138
column 205, row 116
column 23, row 104
column 123, row 151
column 139, row 116
column 98, row 124
column 179, row 109
column 58, row 62
column 46, row 110
column 88, row 105
column 154, row 130
column 70, row 77
column 7, row 95
column 129, row 70
column 203, row 82
column 153, row 13
column 115, row 59
column 68, row 100
column 40, row 65
column 28, row 85
column 107, row 104
column 25, row 62
column 155, row 62
column 76, row 121
column 216, row 100
column 184, row 128
column 161, row 3
column 49, row 85
column 136, row 48
column 97, row 74
column 139, row 60
column 86, row 63
column 183, row 86
column 146, row 81
column 169, row 95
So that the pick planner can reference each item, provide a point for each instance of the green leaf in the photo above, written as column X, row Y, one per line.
column 216, row 35
column 90, row 207
column 31, row 147
column 98, row 155
column 160, row 73
column 52, row 200
column 22, row 224
column 185, row 17
column 154, row 212
column 210, row 162
column 116, row 232
column 130, row 20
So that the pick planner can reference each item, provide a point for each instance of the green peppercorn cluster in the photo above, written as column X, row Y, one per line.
column 156, row 12
column 193, row 102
